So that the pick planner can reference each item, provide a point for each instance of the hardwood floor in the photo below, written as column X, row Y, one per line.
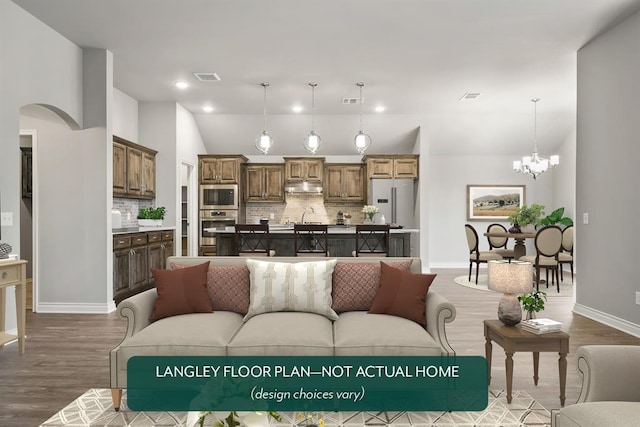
column 67, row 354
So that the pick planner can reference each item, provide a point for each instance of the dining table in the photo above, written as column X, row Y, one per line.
column 519, row 249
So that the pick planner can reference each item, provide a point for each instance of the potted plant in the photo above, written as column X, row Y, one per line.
column 556, row 217
column 526, row 218
column 533, row 302
column 150, row 217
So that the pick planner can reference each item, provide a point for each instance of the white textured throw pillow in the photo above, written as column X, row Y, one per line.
column 282, row 286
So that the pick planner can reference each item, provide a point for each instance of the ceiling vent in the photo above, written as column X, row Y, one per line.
column 348, row 101
column 207, row 77
column 470, row 95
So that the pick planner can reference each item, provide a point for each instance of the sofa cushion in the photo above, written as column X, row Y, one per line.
column 284, row 334
column 281, row 286
column 358, row 333
column 181, row 291
column 402, row 293
column 597, row 414
column 228, row 287
column 208, row 335
column 355, row 284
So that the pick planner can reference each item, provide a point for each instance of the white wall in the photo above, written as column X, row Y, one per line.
column 448, row 177
column 607, row 178
column 125, row 116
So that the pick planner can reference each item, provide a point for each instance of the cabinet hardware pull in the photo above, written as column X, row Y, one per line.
column 121, row 242
column 4, row 275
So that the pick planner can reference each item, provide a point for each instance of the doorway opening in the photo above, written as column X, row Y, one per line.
column 28, row 214
column 187, row 211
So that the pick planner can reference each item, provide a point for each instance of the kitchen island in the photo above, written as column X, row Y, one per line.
column 341, row 240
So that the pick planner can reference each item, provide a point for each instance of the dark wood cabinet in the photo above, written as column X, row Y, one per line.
column 214, row 169
column 344, row 183
column 264, row 183
column 388, row 166
column 134, row 170
column 299, row 169
column 134, row 255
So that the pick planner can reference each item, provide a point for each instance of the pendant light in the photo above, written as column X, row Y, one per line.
column 312, row 141
column 535, row 165
column 362, row 141
column 264, row 142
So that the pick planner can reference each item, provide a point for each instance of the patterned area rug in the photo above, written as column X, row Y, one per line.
column 94, row 408
column 566, row 287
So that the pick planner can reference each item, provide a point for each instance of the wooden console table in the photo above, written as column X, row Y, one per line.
column 14, row 273
column 513, row 338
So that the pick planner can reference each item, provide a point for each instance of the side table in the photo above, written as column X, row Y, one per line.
column 14, row 273
column 513, row 338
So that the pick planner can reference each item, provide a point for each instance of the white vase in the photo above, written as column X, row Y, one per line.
column 149, row 222
column 529, row 228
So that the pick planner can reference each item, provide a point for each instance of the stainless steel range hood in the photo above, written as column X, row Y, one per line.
column 303, row 187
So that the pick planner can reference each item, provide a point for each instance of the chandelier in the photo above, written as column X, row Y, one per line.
column 312, row 141
column 535, row 165
column 362, row 141
column 264, row 142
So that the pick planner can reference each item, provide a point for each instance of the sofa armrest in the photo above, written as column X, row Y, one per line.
column 609, row 373
column 136, row 310
column 439, row 312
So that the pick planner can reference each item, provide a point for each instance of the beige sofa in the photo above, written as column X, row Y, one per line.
column 610, row 394
column 276, row 333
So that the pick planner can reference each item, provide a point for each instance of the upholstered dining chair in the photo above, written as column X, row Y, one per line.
column 499, row 244
column 311, row 240
column 566, row 255
column 475, row 255
column 252, row 240
column 548, row 243
column 372, row 240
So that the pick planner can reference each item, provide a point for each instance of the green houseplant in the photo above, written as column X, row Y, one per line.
column 150, row 217
column 533, row 302
column 556, row 217
column 527, row 215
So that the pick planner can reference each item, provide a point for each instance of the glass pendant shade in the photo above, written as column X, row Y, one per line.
column 535, row 165
column 362, row 141
column 264, row 142
column 312, row 142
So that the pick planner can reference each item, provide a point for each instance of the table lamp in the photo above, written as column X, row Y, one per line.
column 510, row 278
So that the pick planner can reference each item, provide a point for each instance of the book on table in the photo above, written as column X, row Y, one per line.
column 541, row 326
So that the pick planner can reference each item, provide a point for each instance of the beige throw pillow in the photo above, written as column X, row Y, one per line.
column 281, row 286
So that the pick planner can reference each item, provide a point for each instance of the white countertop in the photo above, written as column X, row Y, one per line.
column 335, row 229
column 141, row 229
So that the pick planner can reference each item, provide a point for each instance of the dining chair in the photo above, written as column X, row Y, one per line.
column 566, row 255
column 311, row 240
column 548, row 243
column 475, row 254
column 372, row 240
column 498, row 244
column 252, row 240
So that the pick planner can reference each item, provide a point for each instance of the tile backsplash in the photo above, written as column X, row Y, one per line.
column 129, row 209
column 294, row 206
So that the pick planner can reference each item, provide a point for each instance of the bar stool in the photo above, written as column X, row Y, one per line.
column 311, row 240
column 372, row 240
column 252, row 240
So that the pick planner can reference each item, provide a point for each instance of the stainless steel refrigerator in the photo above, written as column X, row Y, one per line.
column 396, row 200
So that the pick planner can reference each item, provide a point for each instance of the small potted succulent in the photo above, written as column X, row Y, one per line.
column 533, row 302
column 150, row 217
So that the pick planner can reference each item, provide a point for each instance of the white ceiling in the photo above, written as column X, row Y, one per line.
column 416, row 57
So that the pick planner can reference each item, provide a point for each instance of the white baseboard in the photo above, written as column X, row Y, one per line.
column 75, row 308
column 607, row 319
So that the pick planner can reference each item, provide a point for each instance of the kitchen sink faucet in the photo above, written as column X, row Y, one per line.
column 305, row 212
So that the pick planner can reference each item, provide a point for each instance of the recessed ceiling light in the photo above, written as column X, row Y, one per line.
column 182, row 85
column 207, row 109
column 380, row 109
column 469, row 95
column 297, row 108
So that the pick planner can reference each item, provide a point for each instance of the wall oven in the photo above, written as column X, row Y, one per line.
column 219, row 196
column 214, row 219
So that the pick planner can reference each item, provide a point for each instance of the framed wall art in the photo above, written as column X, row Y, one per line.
column 493, row 202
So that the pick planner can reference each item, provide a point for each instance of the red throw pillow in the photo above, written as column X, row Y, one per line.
column 355, row 284
column 181, row 291
column 402, row 293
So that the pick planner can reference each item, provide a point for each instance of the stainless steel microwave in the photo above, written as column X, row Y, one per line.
column 219, row 196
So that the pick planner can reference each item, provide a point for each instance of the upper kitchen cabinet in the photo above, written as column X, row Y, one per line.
column 392, row 166
column 216, row 169
column 299, row 169
column 134, row 170
column 264, row 183
column 344, row 183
